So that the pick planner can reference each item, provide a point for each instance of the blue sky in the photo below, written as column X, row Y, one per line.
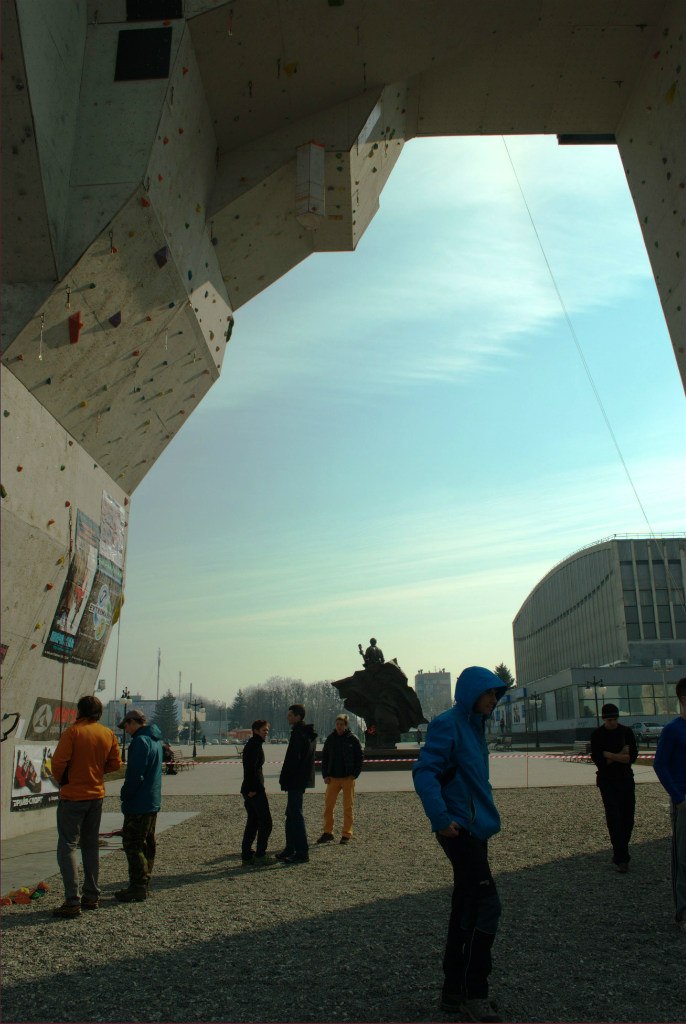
column 404, row 440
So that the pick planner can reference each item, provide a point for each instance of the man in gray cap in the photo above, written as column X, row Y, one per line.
column 613, row 751
column 141, row 796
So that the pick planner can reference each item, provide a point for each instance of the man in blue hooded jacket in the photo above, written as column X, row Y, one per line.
column 141, row 797
column 451, row 779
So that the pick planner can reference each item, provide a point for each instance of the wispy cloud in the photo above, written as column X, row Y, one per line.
column 472, row 287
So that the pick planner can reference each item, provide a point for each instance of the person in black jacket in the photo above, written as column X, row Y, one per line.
column 341, row 765
column 613, row 751
column 297, row 775
column 259, row 821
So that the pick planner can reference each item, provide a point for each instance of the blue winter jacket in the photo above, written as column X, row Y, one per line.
column 670, row 759
column 142, row 789
column 455, row 743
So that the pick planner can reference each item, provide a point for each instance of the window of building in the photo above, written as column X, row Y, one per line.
column 564, row 703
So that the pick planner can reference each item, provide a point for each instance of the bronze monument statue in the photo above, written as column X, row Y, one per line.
column 380, row 694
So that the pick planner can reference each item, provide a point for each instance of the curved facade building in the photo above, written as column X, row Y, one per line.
column 620, row 600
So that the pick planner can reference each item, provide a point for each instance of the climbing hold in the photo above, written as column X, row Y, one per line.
column 215, row 241
column 184, row 71
column 83, row 404
column 3, row 492
column 126, row 501
column 162, row 256
column 60, row 560
column 6, row 412
column 22, row 899
column 165, row 141
column 136, row 352
column 49, row 586
column 20, row 359
column 37, row 626
column 50, row 522
column 67, row 504
column 92, row 284
column 160, row 177
column 211, row 335
column 187, row 225
column 148, row 318
column 115, row 319
column 171, row 305
column 62, row 469
column 145, row 201
column 48, row 380
column 19, row 469
column 180, row 131
column 75, row 325
column 190, row 277
column 198, row 208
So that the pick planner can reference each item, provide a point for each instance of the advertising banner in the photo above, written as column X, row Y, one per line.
column 93, row 589
column 96, row 621
column 77, row 586
column 47, row 717
column 32, row 787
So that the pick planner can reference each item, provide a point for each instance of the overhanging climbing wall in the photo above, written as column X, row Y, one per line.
column 150, row 166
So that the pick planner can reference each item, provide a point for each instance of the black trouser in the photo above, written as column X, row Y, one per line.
column 474, row 915
column 619, row 800
column 139, row 844
column 259, row 824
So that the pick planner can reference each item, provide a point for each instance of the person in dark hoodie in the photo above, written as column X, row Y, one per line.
column 670, row 768
column 451, row 777
column 613, row 751
column 259, row 823
column 297, row 775
column 141, row 797
column 341, row 765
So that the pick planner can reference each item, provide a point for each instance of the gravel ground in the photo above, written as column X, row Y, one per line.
column 357, row 934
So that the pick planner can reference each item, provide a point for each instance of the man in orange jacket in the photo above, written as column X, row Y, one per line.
column 85, row 753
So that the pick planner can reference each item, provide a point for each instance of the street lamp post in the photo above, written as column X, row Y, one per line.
column 591, row 690
column 537, row 702
column 125, row 698
column 195, row 704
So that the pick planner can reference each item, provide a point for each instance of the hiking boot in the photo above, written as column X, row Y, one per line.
column 283, row 854
column 264, row 861
column 67, row 910
column 247, row 862
column 297, row 858
column 87, row 904
column 480, row 1010
column 131, row 895
column 622, row 868
column 325, row 837
column 344, row 840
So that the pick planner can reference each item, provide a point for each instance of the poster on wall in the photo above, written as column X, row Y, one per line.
column 112, row 538
column 93, row 589
column 49, row 719
column 96, row 622
column 32, row 785
column 77, row 586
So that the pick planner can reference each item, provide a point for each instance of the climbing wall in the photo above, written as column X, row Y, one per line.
column 48, row 479
column 654, row 160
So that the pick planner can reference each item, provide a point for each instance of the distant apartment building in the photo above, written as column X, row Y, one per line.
column 435, row 692
column 606, row 624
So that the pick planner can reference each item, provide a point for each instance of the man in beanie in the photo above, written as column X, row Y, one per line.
column 451, row 779
column 670, row 768
column 86, row 752
column 341, row 765
column 613, row 751
column 141, row 797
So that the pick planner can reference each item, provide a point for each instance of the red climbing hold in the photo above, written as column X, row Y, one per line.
column 75, row 325
column 145, row 201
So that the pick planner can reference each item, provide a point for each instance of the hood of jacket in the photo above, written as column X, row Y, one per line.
column 471, row 684
column 151, row 730
column 451, row 774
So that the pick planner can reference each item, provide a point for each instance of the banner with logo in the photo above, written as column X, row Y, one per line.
column 96, row 622
column 49, row 719
column 32, row 786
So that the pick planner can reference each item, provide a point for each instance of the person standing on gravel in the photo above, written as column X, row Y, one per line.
column 670, row 768
column 141, row 798
column 297, row 775
column 613, row 751
column 451, row 777
column 86, row 752
column 341, row 765
column 259, row 823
